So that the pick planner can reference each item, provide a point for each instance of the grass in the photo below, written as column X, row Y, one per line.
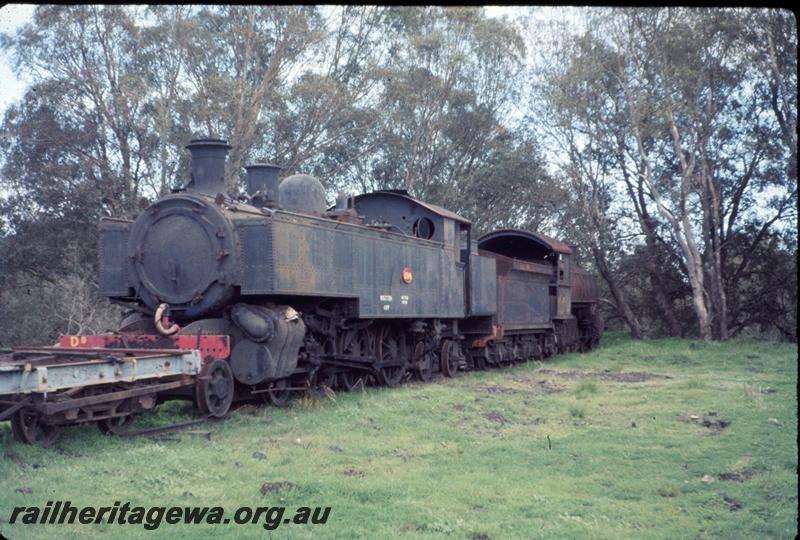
column 629, row 441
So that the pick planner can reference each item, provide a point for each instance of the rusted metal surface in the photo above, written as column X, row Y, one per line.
column 483, row 288
column 158, row 430
column 54, row 407
column 81, row 368
column 7, row 413
column 215, row 346
column 492, row 241
column 522, row 292
column 323, row 258
column 584, row 286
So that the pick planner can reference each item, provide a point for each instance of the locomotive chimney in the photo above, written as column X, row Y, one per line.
column 208, row 165
column 262, row 184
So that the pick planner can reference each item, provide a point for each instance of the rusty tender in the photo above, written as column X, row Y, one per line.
column 273, row 292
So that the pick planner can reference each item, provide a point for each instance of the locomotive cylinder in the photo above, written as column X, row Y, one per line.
column 208, row 165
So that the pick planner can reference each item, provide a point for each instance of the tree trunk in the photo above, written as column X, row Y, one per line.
column 619, row 298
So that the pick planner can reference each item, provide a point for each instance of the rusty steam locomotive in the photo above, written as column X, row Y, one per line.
column 275, row 292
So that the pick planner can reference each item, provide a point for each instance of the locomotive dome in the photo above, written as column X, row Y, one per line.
column 303, row 194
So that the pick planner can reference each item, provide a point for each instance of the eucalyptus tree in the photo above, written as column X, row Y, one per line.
column 666, row 108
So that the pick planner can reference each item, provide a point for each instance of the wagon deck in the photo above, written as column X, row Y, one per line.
column 44, row 388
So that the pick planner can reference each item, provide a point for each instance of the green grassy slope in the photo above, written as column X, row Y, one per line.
column 629, row 441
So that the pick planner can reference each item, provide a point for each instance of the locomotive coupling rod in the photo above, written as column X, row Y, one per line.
column 14, row 408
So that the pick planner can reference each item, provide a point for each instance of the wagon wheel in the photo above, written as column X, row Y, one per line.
column 390, row 349
column 449, row 361
column 29, row 426
column 423, row 362
column 116, row 425
column 214, row 388
column 278, row 396
column 354, row 343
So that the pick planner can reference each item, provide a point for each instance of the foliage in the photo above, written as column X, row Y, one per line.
column 670, row 126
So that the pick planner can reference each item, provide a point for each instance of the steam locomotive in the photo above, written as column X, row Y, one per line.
column 276, row 293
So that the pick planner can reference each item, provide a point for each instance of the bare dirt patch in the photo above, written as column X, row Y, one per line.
column 710, row 421
column 716, row 426
column 736, row 476
column 495, row 417
column 272, row 487
column 733, row 504
column 531, row 387
column 622, row 376
column 354, row 472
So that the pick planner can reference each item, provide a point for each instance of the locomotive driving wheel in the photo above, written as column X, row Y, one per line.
column 326, row 376
column 423, row 362
column 279, row 395
column 30, row 426
column 390, row 351
column 214, row 388
column 354, row 343
column 449, row 361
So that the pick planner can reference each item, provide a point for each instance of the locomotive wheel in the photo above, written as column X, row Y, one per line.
column 549, row 345
column 389, row 350
column 423, row 363
column 116, row 425
column 354, row 343
column 214, row 389
column 449, row 362
column 326, row 377
column 479, row 357
column 352, row 380
column 29, row 426
column 279, row 396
